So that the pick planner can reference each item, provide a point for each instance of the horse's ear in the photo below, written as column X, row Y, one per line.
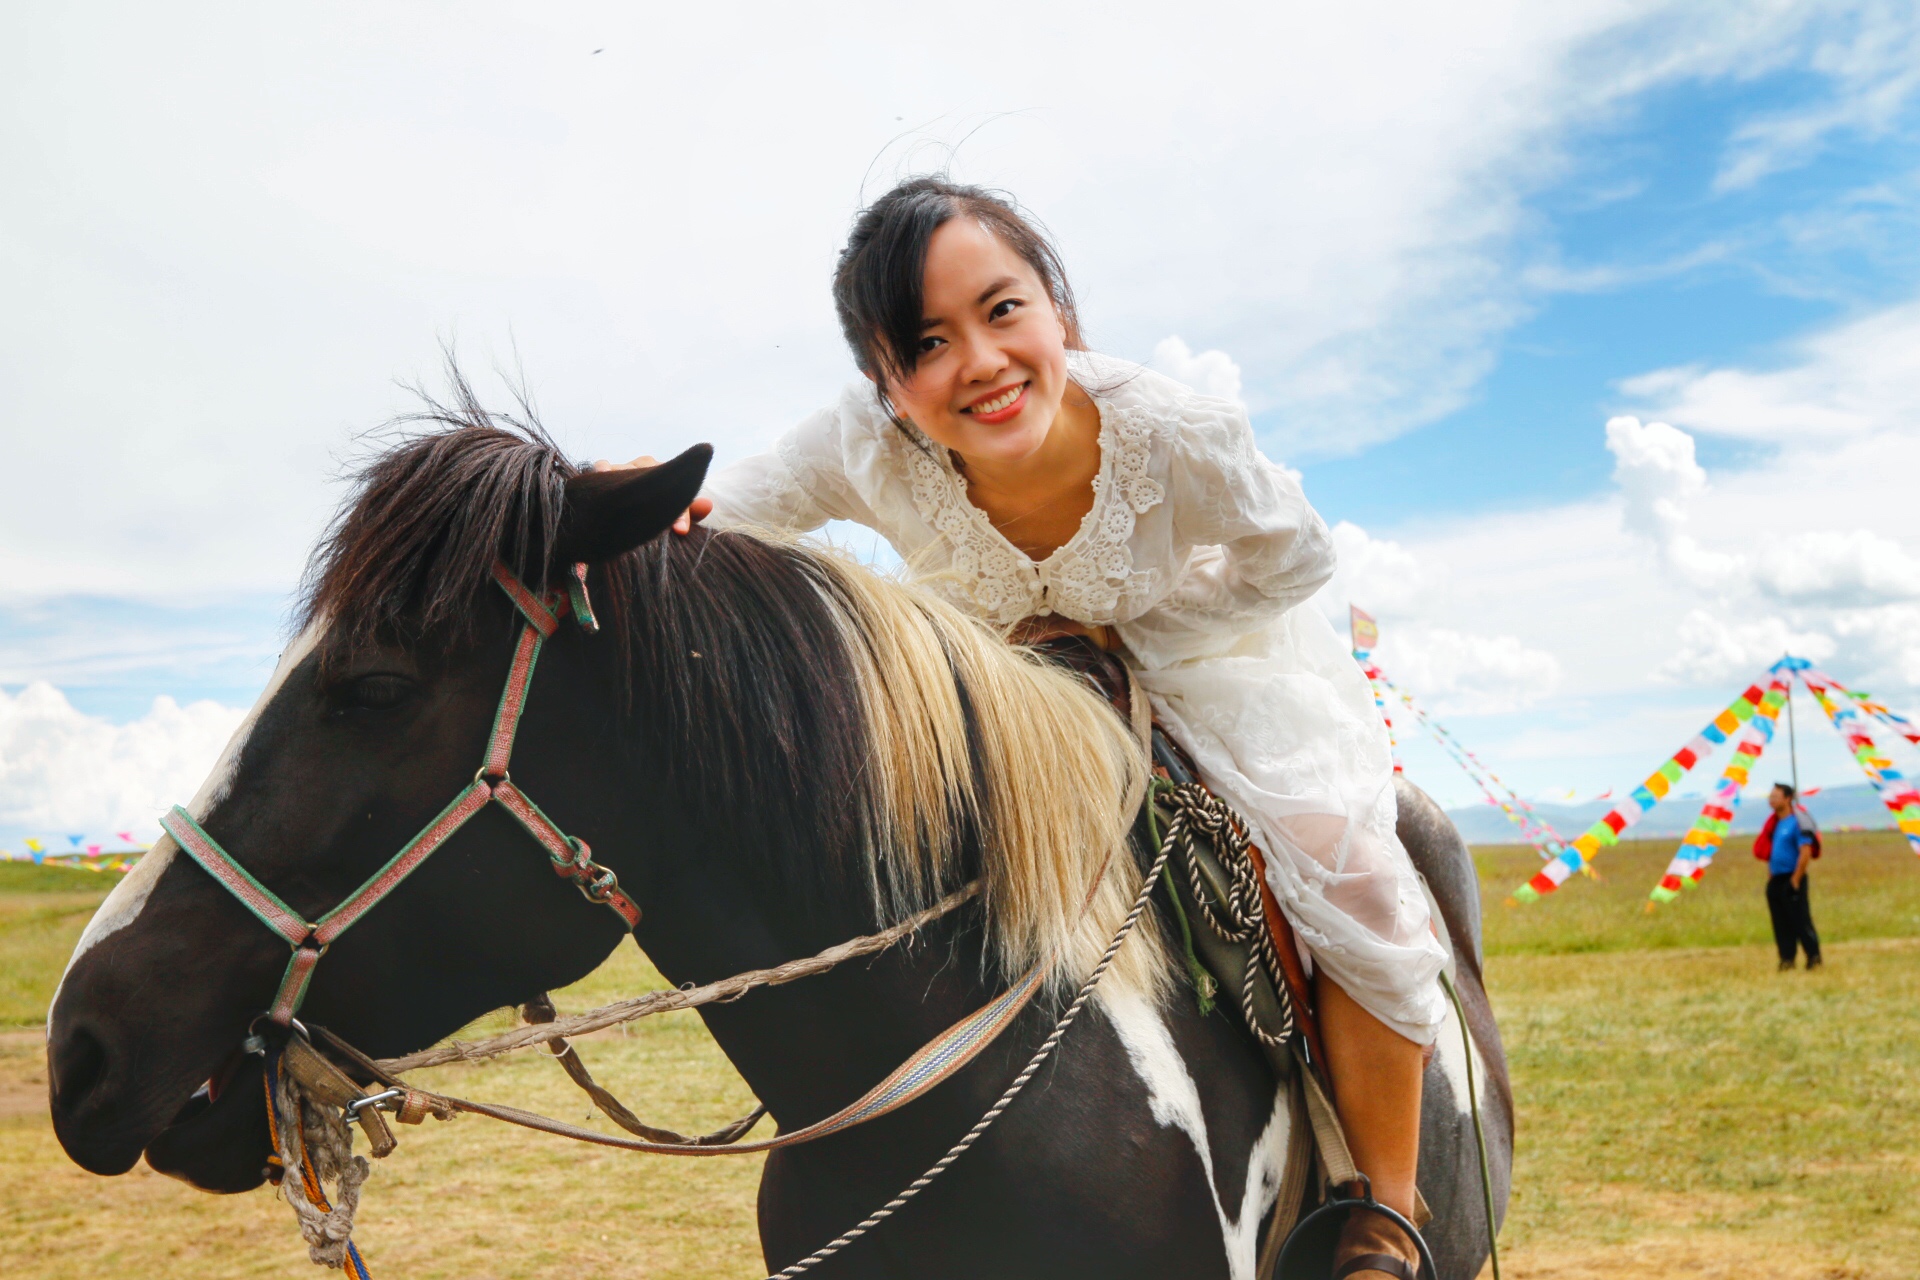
column 609, row 512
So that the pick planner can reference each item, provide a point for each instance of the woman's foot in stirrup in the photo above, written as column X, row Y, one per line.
column 1372, row 1248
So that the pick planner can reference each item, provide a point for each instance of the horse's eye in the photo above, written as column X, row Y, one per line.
column 377, row 692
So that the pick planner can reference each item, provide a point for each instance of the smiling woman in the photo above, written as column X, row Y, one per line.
column 1058, row 494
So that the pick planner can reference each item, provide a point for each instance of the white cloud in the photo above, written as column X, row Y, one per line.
column 1454, row 672
column 1377, row 574
column 64, row 771
column 1659, row 479
column 1713, row 650
column 1879, row 648
column 1660, row 482
column 1449, row 670
column 1827, row 567
column 1843, row 383
column 1655, row 468
column 1874, row 71
column 1211, row 373
column 1335, row 208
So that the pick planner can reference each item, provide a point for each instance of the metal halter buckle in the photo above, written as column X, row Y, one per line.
column 377, row 1101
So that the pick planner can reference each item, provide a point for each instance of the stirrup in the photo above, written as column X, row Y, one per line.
column 1308, row 1252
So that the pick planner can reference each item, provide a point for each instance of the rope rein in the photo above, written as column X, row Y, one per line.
column 722, row 992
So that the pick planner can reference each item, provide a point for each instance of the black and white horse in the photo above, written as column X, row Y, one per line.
column 774, row 750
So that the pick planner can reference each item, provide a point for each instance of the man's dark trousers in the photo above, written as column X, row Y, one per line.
column 1792, row 918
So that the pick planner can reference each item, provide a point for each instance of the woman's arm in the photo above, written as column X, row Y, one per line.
column 1258, row 547
column 796, row 486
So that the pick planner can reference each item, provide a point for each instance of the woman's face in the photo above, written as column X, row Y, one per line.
column 993, row 356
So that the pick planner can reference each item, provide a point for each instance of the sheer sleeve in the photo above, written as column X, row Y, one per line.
column 1258, row 548
column 797, row 486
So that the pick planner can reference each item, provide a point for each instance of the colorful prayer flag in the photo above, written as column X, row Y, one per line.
column 1896, row 792
column 1366, row 632
column 1577, row 855
column 1704, row 837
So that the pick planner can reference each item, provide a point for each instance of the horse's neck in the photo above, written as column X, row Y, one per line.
column 712, row 909
column 810, row 1046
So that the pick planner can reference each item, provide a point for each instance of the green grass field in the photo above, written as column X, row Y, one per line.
column 1684, row 1109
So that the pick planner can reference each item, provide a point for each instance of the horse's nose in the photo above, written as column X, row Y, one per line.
column 76, row 1064
column 88, row 1111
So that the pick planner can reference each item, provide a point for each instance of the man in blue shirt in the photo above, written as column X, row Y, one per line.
column 1790, row 848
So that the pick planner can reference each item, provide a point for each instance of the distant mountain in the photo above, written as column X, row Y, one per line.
column 1834, row 808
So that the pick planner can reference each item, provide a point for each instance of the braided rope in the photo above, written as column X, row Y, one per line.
column 1040, row 1056
column 724, row 991
column 1194, row 807
column 313, row 1147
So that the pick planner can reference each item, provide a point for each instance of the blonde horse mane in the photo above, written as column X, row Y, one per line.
column 969, row 731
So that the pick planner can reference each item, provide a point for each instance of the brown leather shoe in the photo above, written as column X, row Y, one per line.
column 1371, row 1246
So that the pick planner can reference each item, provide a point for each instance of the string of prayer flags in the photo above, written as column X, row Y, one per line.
column 73, row 861
column 1629, row 811
column 1865, row 702
column 1898, row 723
column 1896, row 792
column 1709, row 830
column 1374, row 680
column 86, row 852
column 1533, row 828
column 1366, row 635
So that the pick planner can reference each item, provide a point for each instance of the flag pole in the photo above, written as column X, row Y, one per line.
column 1793, row 741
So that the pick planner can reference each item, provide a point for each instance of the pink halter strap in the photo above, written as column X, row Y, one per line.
column 570, row 856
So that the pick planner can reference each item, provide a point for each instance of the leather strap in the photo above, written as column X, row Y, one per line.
column 1328, row 1136
column 1376, row 1262
column 937, row 1060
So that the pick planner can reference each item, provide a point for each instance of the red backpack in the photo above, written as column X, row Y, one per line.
column 1763, row 843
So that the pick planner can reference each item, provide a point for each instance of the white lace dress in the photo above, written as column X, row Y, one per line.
column 1197, row 550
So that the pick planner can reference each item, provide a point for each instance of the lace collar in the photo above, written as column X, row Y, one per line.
column 1090, row 577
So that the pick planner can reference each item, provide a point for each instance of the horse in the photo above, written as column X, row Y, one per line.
column 774, row 749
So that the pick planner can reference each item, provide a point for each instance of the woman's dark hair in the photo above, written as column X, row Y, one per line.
column 876, row 286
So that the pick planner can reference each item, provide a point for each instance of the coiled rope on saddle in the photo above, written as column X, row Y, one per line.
column 1239, row 918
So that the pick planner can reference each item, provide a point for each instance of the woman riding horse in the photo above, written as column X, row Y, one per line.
column 1053, row 491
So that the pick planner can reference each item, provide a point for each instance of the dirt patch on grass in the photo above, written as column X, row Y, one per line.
column 1697, row 1258
column 23, row 1073
column 1675, row 1236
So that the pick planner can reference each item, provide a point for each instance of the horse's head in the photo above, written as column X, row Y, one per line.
column 376, row 717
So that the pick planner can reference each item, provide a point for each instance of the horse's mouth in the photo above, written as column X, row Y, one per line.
column 217, row 1141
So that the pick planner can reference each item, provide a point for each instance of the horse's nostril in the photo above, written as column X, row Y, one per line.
column 82, row 1062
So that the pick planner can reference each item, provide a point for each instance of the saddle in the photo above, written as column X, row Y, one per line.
column 1243, row 959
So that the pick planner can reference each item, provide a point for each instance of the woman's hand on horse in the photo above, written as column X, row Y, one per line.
column 684, row 525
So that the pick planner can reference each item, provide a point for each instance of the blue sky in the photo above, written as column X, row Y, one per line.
column 1682, row 274
column 1439, row 255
